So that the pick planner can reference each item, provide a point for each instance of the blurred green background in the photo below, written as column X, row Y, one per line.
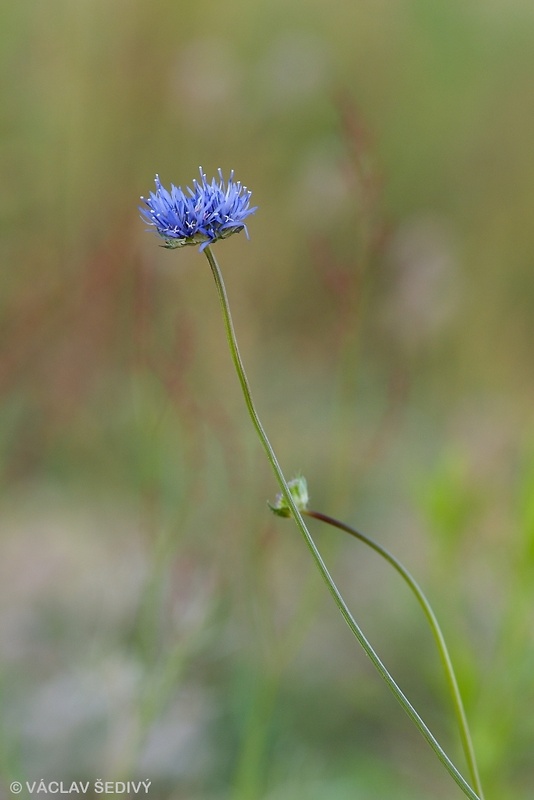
column 156, row 621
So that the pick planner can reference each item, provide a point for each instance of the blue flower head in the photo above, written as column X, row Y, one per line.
column 201, row 215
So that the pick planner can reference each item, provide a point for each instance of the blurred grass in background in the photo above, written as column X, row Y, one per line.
column 156, row 621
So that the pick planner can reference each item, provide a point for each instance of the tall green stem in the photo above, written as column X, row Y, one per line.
column 458, row 705
column 342, row 606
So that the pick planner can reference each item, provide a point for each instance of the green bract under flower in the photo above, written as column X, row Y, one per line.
column 299, row 492
column 201, row 215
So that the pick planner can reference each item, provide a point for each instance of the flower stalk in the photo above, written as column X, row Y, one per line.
column 299, row 520
column 445, row 658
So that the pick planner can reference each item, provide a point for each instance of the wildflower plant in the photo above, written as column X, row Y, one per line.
column 215, row 210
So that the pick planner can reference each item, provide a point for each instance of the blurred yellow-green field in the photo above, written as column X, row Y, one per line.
column 156, row 621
